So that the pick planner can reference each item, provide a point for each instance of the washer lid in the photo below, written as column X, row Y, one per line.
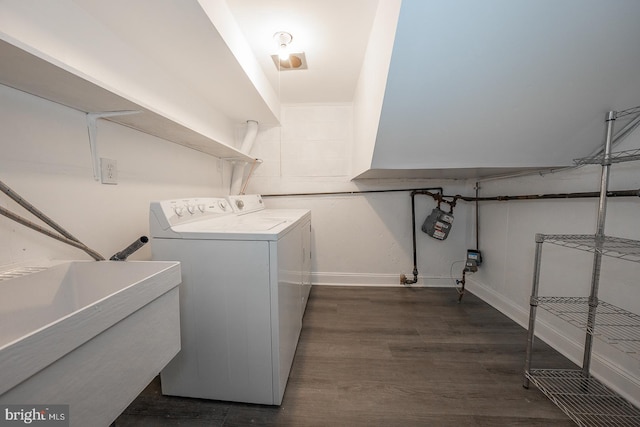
column 233, row 224
column 243, row 227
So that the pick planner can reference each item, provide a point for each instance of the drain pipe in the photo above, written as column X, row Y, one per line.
column 124, row 254
column 477, row 188
column 237, row 174
column 403, row 278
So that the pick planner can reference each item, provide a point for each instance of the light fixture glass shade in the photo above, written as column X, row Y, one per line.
column 283, row 39
column 283, row 52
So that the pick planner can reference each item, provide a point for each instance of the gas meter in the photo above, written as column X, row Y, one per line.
column 438, row 224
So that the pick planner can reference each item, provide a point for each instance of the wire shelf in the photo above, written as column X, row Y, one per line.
column 615, row 326
column 615, row 247
column 585, row 400
column 618, row 157
column 628, row 111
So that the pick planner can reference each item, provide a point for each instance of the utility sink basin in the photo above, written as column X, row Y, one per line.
column 88, row 334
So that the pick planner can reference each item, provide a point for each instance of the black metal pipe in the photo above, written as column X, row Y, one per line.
column 124, row 254
column 462, row 282
column 338, row 193
column 440, row 198
column 425, row 191
column 413, row 232
column 477, row 218
column 578, row 195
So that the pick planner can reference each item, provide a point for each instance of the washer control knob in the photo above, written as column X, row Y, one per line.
column 201, row 207
column 239, row 204
column 179, row 210
column 222, row 205
column 191, row 209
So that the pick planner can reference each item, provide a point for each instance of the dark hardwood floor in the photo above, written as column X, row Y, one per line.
column 371, row 356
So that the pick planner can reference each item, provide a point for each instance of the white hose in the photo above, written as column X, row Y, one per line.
column 237, row 174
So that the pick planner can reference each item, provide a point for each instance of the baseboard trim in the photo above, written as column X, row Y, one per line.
column 608, row 371
column 377, row 279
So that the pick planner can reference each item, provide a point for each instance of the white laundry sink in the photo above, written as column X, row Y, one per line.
column 88, row 334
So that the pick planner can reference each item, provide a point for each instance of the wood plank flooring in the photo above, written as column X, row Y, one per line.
column 371, row 356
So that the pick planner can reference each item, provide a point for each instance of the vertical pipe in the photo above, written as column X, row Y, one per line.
column 237, row 174
column 599, row 241
column 403, row 278
column 477, row 219
column 413, row 231
column 533, row 303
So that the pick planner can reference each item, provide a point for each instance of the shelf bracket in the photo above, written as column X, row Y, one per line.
column 92, row 118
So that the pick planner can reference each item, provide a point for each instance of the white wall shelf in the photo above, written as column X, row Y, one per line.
column 29, row 73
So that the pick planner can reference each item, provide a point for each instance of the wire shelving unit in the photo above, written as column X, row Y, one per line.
column 607, row 245
column 585, row 400
column 582, row 397
column 618, row 157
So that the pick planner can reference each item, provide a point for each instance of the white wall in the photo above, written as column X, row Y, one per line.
column 358, row 239
column 507, row 233
column 142, row 60
column 366, row 239
column 517, row 83
column 309, row 152
column 45, row 158
column 372, row 82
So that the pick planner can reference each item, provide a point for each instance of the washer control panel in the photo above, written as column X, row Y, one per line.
column 246, row 203
column 180, row 211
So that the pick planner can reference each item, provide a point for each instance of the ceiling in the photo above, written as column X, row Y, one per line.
column 473, row 87
column 332, row 33
column 497, row 85
column 506, row 83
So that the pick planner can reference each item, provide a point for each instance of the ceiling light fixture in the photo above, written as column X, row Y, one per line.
column 282, row 40
column 284, row 59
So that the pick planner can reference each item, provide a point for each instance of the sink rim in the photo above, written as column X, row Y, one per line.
column 35, row 350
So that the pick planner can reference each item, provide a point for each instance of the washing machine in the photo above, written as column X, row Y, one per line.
column 246, row 277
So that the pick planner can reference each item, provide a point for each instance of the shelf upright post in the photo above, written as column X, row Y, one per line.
column 533, row 303
column 599, row 242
